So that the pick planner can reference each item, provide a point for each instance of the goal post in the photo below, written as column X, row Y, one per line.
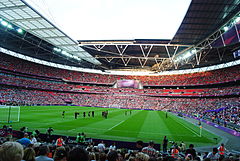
column 9, row 114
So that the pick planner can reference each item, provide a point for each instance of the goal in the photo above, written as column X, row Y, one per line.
column 9, row 114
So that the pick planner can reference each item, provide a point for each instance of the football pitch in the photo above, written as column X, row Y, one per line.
column 119, row 125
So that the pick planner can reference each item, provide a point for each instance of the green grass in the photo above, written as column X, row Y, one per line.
column 140, row 125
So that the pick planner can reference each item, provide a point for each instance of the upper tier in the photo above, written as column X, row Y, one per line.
column 201, row 78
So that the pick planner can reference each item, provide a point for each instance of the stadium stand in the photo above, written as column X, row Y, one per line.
column 200, row 78
column 210, row 96
column 192, row 106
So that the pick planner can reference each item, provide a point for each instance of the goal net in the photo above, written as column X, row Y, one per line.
column 9, row 114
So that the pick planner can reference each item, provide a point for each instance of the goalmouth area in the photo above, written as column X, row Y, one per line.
column 120, row 125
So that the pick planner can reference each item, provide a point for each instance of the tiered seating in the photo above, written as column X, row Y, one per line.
column 210, row 77
column 34, row 84
column 196, row 106
column 26, row 82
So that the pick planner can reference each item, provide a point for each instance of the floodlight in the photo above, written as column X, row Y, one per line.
column 57, row 49
column 19, row 30
column 225, row 28
column 9, row 26
column 4, row 23
column 64, row 52
column 76, row 57
column 237, row 19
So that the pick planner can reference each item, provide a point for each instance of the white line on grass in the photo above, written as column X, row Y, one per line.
column 189, row 128
column 116, row 125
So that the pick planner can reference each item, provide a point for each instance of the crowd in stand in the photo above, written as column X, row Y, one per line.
column 210, row 77
column 26, row 82
column 29, row 149
column 223, row 111
column 34, row 84
column 192, row 106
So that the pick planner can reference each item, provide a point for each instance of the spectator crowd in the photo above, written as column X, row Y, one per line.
column 26, row 149
column 200, row 78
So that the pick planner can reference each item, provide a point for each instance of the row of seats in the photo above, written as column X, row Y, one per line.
column 210, row 77
column 22, row 81
column 192, row 106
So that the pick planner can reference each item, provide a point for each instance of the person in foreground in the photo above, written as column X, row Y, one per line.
column 43, row 152
column 11, row 151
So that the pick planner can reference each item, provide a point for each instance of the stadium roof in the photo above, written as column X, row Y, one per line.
column 19, row 13
column 203, row 18
column 202, row 25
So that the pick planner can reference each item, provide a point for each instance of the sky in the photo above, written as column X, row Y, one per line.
column 114, row 19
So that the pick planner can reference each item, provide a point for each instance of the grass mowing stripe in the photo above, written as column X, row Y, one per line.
column 175, row 129
column 153, row 127
column 81, row 122
column 101, row 127
column 142, row 124
column 205, row 138
column 189, row 128
column 132, row 124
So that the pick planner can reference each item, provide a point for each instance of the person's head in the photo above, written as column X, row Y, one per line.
column 11, row 151
column 142, row 157
column 112, row 156
column 215, row 150
column 60, row 155
column 25, row 135
column 29, row 154
column 191, row 146
column 102, row 156
column 151, row 143
column 43, row 150
column 78, row 154
column 139, row 144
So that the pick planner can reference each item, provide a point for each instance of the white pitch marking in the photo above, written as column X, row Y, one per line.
column 116, row 125
column 189, row 129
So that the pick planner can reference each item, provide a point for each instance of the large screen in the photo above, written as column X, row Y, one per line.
column 128, row 84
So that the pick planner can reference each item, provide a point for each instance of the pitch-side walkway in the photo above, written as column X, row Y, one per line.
column 232, row 143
